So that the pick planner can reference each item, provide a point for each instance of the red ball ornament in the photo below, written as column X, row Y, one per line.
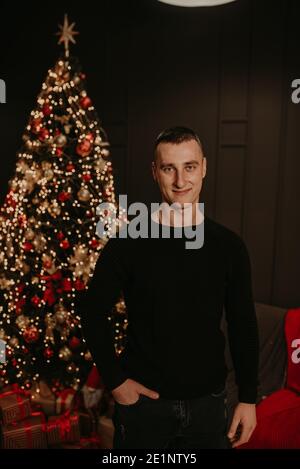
column 27, row 246
column 63, row 196
column 94, row 243
column 58, row 152
column 74, row 343
column 65, row 244
column 43, row 134
column 86, row 177
column 35, row 300
column 47, row 264
column 79, row 285
column 89, row 214
column 14, row 362
column 67, row 284
column 19, row 305
column 70, row 167
column 20, row 287
column 82, row 75
column 60, row 235
column 84, row 147
column 36, row 125
column 47, row 109
column 48, row 352
column 85, row 102
column 31, row 334
column 57, row 275
column 21, row 220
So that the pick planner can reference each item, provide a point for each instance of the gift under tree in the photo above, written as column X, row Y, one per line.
column 48, row 240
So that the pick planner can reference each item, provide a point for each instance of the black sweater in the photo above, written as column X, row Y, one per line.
column 174, row 299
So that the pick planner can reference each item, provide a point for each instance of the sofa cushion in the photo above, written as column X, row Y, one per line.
column 278, row 419
column 272, row 359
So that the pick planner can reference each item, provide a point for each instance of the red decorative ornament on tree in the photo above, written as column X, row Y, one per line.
column 94, row 243
column 79, row 285
column 31, row 334
column 48, row 352
column 35, row 300
column 63, row 196
column 67, row 284
column 60, row 235
column 36, row 125
column 47, row 109
column 85, row 102
column 43, row 134
column 27, row 246
column 86, row 177
column 70, row 167
column 74, row 343
column 65, row 244
column 84, row 147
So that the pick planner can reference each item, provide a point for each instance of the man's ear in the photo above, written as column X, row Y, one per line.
column 154, row 170
column 203, row 167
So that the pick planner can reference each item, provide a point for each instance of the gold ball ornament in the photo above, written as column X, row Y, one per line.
column 105, row 152
column 54, row 210
column 48, row 174
column 83, row 195
column 22, row 321
column 88, row 356
column 60, row 140
column 29, row 234
column 14, row 341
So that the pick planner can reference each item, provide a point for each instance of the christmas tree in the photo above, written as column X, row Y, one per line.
column 48, row 240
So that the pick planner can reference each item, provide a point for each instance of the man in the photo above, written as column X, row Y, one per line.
column 169, row 382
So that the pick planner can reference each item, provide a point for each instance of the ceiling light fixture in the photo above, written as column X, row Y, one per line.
column 196, row 3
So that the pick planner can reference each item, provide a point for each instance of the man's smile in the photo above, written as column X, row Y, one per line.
column 182, row 192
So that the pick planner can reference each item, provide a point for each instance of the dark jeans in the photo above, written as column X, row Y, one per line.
column 168, row 423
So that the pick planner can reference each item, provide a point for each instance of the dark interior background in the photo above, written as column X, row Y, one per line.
column 225, row 71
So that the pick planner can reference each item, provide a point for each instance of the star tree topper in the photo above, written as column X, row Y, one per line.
column 66, row 34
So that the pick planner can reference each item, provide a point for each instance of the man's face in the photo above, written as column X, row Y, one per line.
column 179, row 170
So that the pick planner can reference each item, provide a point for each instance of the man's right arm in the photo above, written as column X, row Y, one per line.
column 94, row 304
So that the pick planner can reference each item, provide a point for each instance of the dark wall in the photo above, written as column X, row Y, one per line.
column 224, row 71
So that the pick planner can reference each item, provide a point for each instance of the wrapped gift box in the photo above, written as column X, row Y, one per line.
column 65, row 400
column 63, row 429
column 28, row 433
column 42, row 397
column 14, row 406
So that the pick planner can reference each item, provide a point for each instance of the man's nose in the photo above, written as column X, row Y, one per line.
column 179, row 179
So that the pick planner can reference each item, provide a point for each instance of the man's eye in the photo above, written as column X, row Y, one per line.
column 168, row 169
column 190, row 168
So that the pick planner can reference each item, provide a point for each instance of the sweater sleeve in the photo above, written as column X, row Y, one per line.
column 242, row 323
column 94, row 304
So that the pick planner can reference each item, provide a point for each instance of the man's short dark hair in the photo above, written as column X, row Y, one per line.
column 176, row 135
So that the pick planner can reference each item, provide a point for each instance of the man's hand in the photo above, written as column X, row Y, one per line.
column 244, row 417
column 128, row 392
